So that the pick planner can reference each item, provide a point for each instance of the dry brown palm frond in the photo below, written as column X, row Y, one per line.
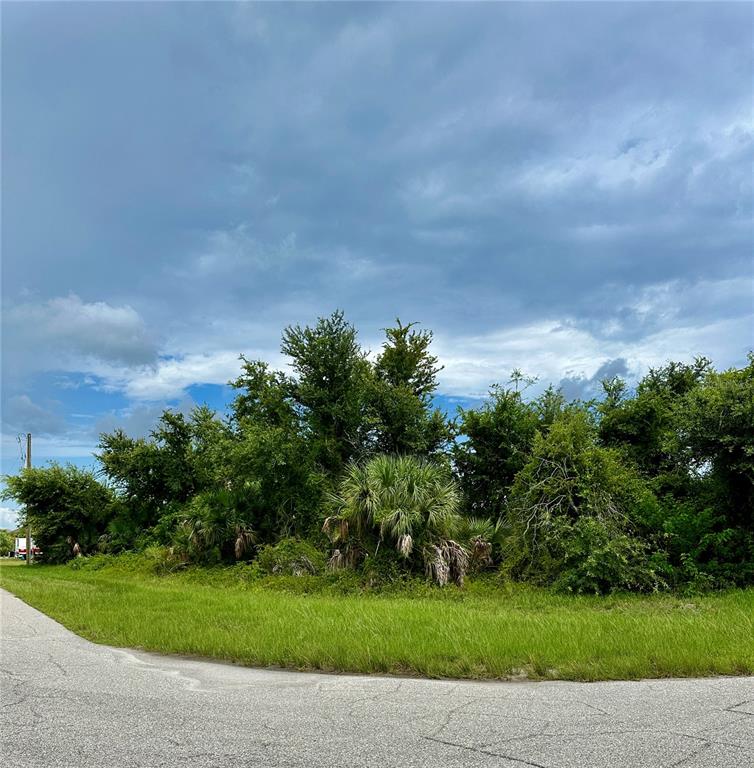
column 244, row 539
column 435, row 564
column 457, row 559
column 405, row 544
column 481, row 553
column 337, row 560
column 335, row 528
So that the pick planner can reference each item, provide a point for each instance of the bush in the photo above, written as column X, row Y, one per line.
column 67, row 507
column 212, row 528
column 590, row 557
column 406, row 503
column 153, row 559
column 571, row 517
column 291, row 557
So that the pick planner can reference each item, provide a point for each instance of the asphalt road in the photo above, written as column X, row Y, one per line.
column 92, row 705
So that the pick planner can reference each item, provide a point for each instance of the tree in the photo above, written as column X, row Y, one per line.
column 715, row 434
column 497, row 442
column 640, row 425
column 154, row 477
column 405, row 361
column 403, row 501
column 7, row 542
column 65, row 506
column 212, row 527
column 404, row 383
column 689, row 430
column 573, row 510
column 333, row 377
column 276, row 483
column 265, row 396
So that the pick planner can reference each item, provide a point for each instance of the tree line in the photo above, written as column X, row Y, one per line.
column 347, row 457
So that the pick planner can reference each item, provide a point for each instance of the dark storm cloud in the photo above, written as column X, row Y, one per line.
column 509, row 174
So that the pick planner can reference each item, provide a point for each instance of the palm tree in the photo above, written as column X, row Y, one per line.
column 407, row 501
column 213, row 521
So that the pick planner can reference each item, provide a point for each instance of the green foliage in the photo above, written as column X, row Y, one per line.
column 690, row 431
column 154, row 477
column 572, row 510
column 7, row 542
column 644, row 488
column 333, row 376
column 405, row 380
column 715, row 435
column 700, row 544
column 213, row 527
column 265, row 396
column 66, row 507
column 152, row 560
column 640, row 425
column 498, row 439
column 290, row 557
column 273, row 474
column 591, row 555
column 403, row 501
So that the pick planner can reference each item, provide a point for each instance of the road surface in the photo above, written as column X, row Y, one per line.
column 92, row 705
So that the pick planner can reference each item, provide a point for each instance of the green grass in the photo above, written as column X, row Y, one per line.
column 488, row 630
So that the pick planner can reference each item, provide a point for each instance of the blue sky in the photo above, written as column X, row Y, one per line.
column 562, row 188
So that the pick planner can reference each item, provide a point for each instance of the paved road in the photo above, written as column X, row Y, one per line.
column 91, row 705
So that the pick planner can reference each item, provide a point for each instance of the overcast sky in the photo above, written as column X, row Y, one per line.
column 561, row 188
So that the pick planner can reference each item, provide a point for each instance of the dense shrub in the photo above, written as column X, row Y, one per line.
column 497, row 442
column 409, row 504
column 637, row 490
column 290, row 557
column 571, row 516
column 67, row 508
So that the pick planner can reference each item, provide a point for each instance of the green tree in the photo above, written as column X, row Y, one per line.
column 154, row 477
column 6, row 542
column 213, row 527
column 331, row 388
column 715, row 433
column 276, row 482
column 265, row 397
column 404, row 383
column 641, row 425
column 406, row 502
column 573, row 511
column 64, row 505
column 496, row 443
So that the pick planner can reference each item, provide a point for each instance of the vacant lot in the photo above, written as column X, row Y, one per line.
column 485, row 631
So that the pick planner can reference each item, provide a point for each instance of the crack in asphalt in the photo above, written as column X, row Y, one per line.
column 90, row 705
column 483, row 751
column 688, row 758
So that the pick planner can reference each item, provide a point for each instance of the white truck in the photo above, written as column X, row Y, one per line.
column 20, row 548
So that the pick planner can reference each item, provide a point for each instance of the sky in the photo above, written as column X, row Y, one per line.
column 564, row 189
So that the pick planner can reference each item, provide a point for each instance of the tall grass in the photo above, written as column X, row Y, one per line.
column 484, row 631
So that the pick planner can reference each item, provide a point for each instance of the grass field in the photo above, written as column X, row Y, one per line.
column 485, row 631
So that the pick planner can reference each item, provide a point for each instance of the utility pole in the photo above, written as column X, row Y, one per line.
column 28, row 524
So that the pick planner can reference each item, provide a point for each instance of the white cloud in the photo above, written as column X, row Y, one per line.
column 169, row 377
column 8, row 518
column 66, row 332
column 554, row 348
